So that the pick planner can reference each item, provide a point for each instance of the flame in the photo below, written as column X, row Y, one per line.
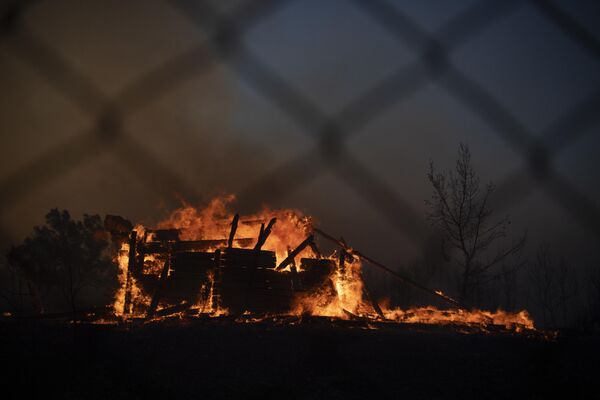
column 138, row 296
column 342, row 295
column 122, row 260
column 214, row 222
column 206, row 302
column 431, row 315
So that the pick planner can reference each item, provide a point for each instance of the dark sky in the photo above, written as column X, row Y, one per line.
column 197, row 131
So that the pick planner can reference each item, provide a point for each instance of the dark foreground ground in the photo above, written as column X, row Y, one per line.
column 314, row 360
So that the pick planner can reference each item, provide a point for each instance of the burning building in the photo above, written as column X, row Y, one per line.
column 211, row 262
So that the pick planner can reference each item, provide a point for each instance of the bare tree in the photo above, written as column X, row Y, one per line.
column 594, row 282
column 567, row 289
column 552, row 287
column 542, row 277
column 460, row 209
column 508, row 285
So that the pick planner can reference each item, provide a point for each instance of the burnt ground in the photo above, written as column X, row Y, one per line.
column 313, row 360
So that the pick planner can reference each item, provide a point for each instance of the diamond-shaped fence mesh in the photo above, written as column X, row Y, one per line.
column 326, row 133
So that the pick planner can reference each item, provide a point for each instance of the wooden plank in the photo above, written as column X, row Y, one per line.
column 287, row 286
column 290, row 258
column 173, row 309
column 264, row 234
column 315, row 249
column 141, row 250
column 234, row 225
column 194, row 245
column 164, row 235
column 234, row 257
column 314, row 278
column 193, row 261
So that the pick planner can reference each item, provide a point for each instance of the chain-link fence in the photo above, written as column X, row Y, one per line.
column 326, row 132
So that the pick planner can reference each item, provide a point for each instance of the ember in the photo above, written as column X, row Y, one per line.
column 211, row 262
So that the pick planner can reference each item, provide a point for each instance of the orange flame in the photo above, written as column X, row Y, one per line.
column 342, row 295
column 213, row 222
column 432, row 315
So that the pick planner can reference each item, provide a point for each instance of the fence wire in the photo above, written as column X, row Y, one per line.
column 328, row 133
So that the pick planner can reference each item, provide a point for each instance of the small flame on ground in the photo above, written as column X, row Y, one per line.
column 431, row 315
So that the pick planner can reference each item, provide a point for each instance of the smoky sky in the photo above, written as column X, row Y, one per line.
column 216, row 131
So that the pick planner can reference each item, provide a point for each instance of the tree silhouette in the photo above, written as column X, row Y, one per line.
column 63, row 253
column 460, row 209
column 552, row 287
column 594, row 282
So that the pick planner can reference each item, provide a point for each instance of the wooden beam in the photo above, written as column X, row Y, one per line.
column 264, row 234
column 395, row 274
column 173, row 309
column 315, row 249
column 159, row 287
column 290, row 258
column 342, row 260
column 234, row 225
column 371, row 299
column 262, row 238
column 194, row 245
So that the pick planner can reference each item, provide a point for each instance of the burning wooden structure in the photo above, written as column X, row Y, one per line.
column 209, row 262
column 221, row 274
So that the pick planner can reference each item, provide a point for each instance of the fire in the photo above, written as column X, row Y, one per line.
column 122, row 260
column 207, row 304
column 190, row 249
column 432, row 315
column 213, row 222
column 141, row 298
column 343, row 298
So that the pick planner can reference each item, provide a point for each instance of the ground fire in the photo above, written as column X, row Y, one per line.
column 211, row 262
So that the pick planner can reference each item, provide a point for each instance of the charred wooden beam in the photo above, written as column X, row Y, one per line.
column 251, row 221
column 342, row 259
column 315, row 249
column 172, row 310
column 310, row 264
column 234, row 225
column 159, row 288
column 247, row 258
column 130, row 267
column 165, row 235
column 262, row 238
column 141, row 255
column 372, row 300
column 295, row 279
column 262, row 229
column 395, row 274
column 347, row 256
column 193, row 245
column 292, row 255
column 354, row 317
column 316, row 272
column 264, row 234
